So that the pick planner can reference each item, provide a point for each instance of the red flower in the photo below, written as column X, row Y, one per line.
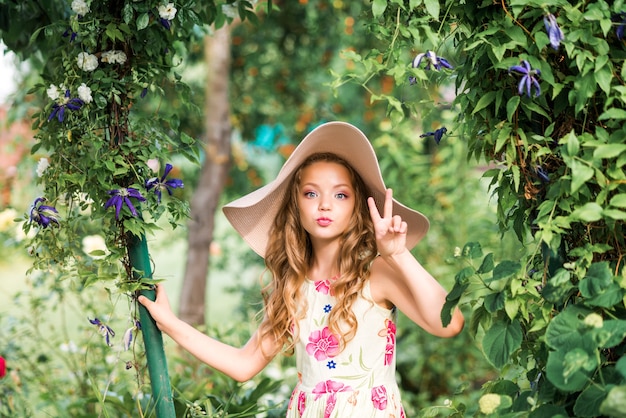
column 322, row 344
column 3, row 367
column 379, row 397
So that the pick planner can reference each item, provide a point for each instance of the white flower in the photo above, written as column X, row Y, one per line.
column 80, row 7
column 53, row 92
column 6, row 219
column 84, row 93
column 113, row 57
column 230, row 10
column 42, row 166
column 93, row 243
column 153, row 164
column 87, row 61
column 167, row 11
column 489, row 403
column 594, row 320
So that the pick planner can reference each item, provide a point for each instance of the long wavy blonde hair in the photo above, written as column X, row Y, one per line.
column 289, row 256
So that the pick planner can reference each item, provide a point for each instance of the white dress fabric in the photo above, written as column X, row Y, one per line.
column 358, row 382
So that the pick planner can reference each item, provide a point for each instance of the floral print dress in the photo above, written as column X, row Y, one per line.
column 357, row 382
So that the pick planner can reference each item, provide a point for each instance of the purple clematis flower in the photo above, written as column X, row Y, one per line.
column 528, row 80
column 104, row 330
column 58, row 109
column 541, row 173
column 166, row 23
column 128, row 335
column 620, row 20
column 43, row 215
column 121, row 196
column 438, row 134
column 431, row 59
column 554, row 31
column 158, row 185
column 69, row 32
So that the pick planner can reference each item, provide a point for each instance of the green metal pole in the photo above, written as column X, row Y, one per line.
column 153, row 340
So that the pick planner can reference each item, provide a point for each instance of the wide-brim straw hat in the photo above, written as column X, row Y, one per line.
column 253, row 214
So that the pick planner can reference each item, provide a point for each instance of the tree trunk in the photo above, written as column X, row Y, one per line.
column 212, row 177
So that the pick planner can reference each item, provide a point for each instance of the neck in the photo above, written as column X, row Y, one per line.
column 324, row 263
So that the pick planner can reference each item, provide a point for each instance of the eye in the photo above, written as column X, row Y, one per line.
column 310, row 194
column 341, row 196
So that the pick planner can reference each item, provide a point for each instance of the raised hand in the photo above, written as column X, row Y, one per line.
column 390, row 230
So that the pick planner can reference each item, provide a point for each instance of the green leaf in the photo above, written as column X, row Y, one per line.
column 614, row 332
column 556, row 373
column 511, row 107
column 484, row 101
column 589, row 212
column 581, row 173
column 432, row 7
column 603, row 78
column 562, row 331
column 500, row 341
column 613, row 113
column 452, row 300
column 549, row 411
column 558, row 287
column 494, row 302
column 472, row 250
column 599, row 287
column 615, row 403
column 504, row 135
column 487, row 265
column 505, row 270
column 620, row 366
column 609, row 150
column 511, row 307
column 142, row 21
column 589, row 401
column 619, row 200
column 614, row 214
column 572, row 144
column 378, row 7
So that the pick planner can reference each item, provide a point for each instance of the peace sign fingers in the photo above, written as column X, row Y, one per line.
column 390, row 229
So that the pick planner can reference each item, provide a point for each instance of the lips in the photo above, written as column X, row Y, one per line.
column 324, row 221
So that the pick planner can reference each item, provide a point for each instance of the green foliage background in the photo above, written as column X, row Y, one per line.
column 541, row 315
column 544, row 291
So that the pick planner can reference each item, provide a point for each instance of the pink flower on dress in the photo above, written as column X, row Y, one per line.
column 301, row 403
column 323, row 286
column 379, row 397
column 322, row 344
column 391, row 341
column 330, row 388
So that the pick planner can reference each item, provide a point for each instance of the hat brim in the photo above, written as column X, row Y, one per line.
column 253, row 215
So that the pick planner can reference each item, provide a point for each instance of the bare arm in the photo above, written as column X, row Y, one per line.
column 240, row 364
column 397, row 277
column 401, row 280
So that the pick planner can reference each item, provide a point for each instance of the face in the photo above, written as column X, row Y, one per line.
column 326, row 200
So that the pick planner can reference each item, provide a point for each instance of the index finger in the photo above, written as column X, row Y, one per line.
column 374, row 214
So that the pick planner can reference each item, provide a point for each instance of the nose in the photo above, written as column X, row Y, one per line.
column 324, row 204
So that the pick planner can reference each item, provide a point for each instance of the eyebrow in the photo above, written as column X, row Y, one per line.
column 312, row 184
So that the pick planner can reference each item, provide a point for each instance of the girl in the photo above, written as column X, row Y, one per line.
column 339, row 269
